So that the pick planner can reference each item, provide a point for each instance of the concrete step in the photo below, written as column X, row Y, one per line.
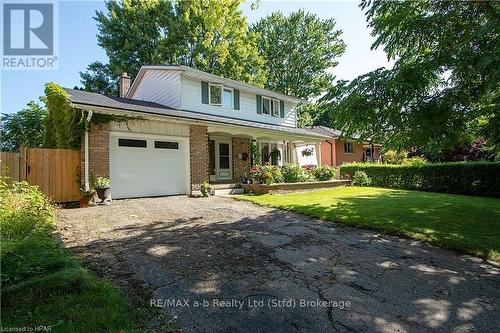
column 228, row 191
column 221, row 186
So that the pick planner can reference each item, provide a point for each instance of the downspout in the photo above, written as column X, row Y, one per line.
column 331, row 152
column 86, row 152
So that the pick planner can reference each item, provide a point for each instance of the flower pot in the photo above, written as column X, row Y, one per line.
column 84, row 201
column 103, row 194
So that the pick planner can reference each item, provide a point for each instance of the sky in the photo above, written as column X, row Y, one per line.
column 78, row 46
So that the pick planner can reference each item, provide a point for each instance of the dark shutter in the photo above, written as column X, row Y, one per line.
column 236, row 99
column 282, row 109
column 259, row 104
column 204, row 92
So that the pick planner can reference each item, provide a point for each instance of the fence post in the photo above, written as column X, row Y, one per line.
column 22, row 163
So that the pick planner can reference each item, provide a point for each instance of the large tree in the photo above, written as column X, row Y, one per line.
column 299, row 50
column 444, row 84
column 208, row 35
column 25, row 127
column 100, row 79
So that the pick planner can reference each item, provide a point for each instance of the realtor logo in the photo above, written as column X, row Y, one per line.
column 29, row 35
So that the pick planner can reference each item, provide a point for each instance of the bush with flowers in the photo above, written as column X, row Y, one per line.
column 266, row 174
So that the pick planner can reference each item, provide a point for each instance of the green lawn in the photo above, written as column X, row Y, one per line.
column 458, row 222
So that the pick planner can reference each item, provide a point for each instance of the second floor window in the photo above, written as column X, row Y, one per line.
column 215, row 94
column 271, row 106
column 348, row 147
column 227, row 100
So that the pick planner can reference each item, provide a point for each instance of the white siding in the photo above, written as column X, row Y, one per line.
column 191, row 101
column 152, row 127
column 160, row 86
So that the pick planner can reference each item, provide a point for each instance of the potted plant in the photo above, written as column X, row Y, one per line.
column 206, row 189
column 103, row 189
column 85, row 197
column 308, row 152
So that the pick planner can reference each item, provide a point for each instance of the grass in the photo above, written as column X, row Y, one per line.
column 44, row 287
column 457, row 222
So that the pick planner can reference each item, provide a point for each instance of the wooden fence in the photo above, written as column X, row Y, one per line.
column 55, row 171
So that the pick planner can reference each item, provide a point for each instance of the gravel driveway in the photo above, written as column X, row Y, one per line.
column 220, row 265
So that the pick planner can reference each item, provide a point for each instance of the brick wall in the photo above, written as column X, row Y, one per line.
column 198, row 143
column 98, row 152
column 356, row 156
column 240, row 167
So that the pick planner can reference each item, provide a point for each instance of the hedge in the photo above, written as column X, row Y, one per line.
column 472, row 178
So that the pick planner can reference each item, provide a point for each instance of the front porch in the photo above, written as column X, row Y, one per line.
column 231, row 153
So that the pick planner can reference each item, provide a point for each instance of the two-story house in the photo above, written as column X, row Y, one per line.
column 194, row 127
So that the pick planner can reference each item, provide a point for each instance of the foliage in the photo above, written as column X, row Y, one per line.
column 65, row 124
column 210, row 36
column 206, row 189
column 308, row 152
column 23, row 128
column 298, row 50
column 294, row 173
column 323, row 172
column 102, row 182
column 472, row 178
column 275, row 156
column 394, row 157
column 464, row 223
column 41, row 281
column 254, row 152
column 360, row 178
column 415, row 161
column 100, row 79
column 444, row 81
column 266, row 174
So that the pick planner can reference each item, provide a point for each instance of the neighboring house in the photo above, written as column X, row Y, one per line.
column 195, row 127
column 336, row 150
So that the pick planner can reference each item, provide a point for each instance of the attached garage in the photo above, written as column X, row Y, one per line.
column 144, row 165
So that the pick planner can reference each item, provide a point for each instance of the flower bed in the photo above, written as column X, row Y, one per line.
column 291, row 187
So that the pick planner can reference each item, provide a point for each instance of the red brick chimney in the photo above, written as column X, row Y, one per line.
column 124, row 84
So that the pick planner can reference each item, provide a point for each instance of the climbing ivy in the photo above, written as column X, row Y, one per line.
column 65, row 123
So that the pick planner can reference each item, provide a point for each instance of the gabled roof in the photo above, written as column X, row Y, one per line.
column 208, row 77
column 326, row 131
column 89, row 99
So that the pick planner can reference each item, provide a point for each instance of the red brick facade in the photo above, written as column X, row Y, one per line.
column 240, row 167
column 198, row 143
column 333, row 153
column 98, row 152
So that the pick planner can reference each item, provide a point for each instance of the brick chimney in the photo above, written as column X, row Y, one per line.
column 124, row 84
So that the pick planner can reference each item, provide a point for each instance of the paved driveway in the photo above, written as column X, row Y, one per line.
column 291, row 273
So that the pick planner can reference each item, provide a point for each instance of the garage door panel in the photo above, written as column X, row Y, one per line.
column 150, row 171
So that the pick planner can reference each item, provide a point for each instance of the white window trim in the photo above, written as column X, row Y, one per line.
column 271, row 101
column 348, row 152
column 210, row 85
column 232, row 97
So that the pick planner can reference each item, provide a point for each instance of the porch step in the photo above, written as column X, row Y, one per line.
column 227, row 188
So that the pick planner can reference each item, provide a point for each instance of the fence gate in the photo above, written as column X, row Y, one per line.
column 55, row 171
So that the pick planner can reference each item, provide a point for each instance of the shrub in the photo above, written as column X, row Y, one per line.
column 266, row 174
column 206, row 189
column 472, row 178
column 41, row 282
column 292, row 173
column 415, row 161
column 395, row 157
column 360, row 178
column 324, row 172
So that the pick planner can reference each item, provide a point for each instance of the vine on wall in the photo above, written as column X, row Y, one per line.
column 65, row 124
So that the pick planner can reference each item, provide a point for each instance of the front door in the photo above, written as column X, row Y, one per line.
column 223, row 159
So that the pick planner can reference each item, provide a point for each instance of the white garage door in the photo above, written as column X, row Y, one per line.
column 148, row 165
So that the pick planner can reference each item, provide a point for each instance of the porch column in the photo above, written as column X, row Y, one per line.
column 241, row 157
